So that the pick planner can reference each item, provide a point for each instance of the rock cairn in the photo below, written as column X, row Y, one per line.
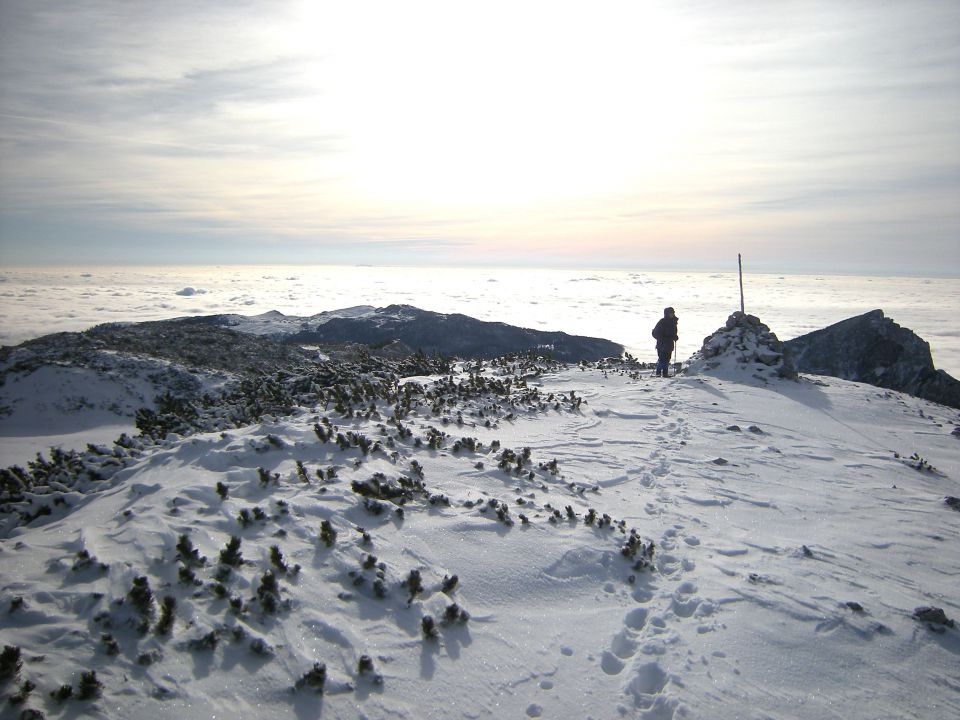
column 743, row 345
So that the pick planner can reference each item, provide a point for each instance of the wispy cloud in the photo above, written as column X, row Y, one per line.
column 476, row 131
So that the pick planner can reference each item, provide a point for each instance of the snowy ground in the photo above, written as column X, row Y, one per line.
column 793, row 537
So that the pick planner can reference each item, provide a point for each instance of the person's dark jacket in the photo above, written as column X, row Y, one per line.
column 665, row 333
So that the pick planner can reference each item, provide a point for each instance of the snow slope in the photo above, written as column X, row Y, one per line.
column 793, row 538
column 93, row 397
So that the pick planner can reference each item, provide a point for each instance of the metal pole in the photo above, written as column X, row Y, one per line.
column 740, row 264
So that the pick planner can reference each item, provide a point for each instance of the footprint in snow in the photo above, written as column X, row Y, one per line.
column 685, row 601
column 611, row 664
column 647, row 687
column 636, row 619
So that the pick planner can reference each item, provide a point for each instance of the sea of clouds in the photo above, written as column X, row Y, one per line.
column 619, row 305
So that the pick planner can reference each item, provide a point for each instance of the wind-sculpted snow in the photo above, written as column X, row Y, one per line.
column 515, row 538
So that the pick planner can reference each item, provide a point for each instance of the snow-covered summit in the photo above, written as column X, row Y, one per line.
column 510, row 539
column 743, row 346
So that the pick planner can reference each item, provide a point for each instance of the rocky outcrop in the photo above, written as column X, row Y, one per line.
column 743, row 346
column 873, row 349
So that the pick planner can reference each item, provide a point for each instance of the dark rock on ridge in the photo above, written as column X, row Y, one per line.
column 873, row 349
column 272, row 342
column 447, row 334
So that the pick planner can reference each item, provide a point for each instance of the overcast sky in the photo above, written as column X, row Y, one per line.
column 810, row 136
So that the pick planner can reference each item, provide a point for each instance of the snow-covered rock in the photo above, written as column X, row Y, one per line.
column 744, row 345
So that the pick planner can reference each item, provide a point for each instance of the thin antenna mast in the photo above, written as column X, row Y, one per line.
column 740, row 264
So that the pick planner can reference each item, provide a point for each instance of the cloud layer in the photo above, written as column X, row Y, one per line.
column 814, row 135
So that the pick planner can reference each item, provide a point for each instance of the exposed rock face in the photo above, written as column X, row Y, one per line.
column 743, row 345
column 873, row 349
column 451, row 335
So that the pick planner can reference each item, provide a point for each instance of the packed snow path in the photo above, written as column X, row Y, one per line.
column 793, row 534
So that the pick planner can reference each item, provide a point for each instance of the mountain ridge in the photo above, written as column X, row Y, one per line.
column 451, row 334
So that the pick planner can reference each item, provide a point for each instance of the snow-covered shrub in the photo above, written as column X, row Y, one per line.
column 314, row 678
column 328, row 536
column 187, row 553
column 231, row 555
column 89, row 686
column 413, row 584
column 167, row 607
column 268, row 593
column 10, row 662
column 428, row 626
column 141, row 598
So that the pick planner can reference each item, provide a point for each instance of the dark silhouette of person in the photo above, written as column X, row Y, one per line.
column 666, row 336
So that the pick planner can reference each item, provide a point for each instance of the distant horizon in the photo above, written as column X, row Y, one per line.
column 620, row 305
column 946, row 274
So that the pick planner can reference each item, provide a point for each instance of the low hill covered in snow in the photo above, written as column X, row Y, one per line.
column 431, row 332
column 373, row 537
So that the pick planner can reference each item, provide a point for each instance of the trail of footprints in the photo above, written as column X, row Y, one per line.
column 641, row 650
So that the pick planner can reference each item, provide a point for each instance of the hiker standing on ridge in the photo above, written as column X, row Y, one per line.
column 665, row 333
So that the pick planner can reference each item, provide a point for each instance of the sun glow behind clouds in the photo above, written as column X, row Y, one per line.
column 507, row 105
column 639, row 133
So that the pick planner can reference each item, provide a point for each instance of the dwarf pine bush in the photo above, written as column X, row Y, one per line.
column 302, row 473
column 204, row 642
column 62, row 693
column 314, row 678
column 167, row 608
column 110, row 645
column 141, row 598
column 455, row 614
column 266, row 478
column 276, row 559
column 231, row 555
column 414, row 584
column 10, row 662
column 428, row 627
column 268, row 593
column 26, row 687
column 89, row 686
column 187, row 552
column 328, row 536
column 186, row 576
